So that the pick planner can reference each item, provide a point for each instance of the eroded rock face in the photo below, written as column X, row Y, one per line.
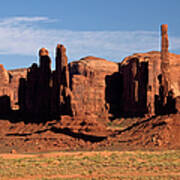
column 142, row 91
column 88, row 85
column 11, row 89
column 4, row 76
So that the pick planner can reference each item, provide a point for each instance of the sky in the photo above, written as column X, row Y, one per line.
column 103, row 28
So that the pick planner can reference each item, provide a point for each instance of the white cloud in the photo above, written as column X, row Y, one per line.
column 18, row 38
column 14, row 21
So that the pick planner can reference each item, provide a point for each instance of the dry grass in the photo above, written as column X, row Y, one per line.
column 92, row 165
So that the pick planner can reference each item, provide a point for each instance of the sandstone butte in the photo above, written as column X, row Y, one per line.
column 143, row 84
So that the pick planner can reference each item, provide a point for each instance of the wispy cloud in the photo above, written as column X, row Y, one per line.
column 18, row 38
column 14, row 21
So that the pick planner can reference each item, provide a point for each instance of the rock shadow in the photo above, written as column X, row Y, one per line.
column 65, row 131
column 113, row 94
column 164, row 104
column 5, row 106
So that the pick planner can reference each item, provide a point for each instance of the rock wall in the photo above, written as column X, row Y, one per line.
column 135, row 80
column 9, row 87
column 88, row 85
column 145, row 68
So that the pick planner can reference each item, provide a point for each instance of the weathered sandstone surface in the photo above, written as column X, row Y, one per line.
column 88, row 86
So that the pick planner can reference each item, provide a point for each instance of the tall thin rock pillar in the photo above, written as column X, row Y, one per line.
column 165, row 82
column 61, row 66
column 61, row 81
column 43, row 100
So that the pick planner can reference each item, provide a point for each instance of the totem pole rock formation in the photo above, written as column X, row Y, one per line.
column 94, row 88
column 44, row 91
column 34, row 91
column 165, row 81
column 61, row 82
column 62, row 66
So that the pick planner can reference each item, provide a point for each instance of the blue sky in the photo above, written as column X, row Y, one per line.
column 108, row 29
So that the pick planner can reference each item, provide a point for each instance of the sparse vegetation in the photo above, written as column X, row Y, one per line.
column 93, row 165
column 120, row 124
